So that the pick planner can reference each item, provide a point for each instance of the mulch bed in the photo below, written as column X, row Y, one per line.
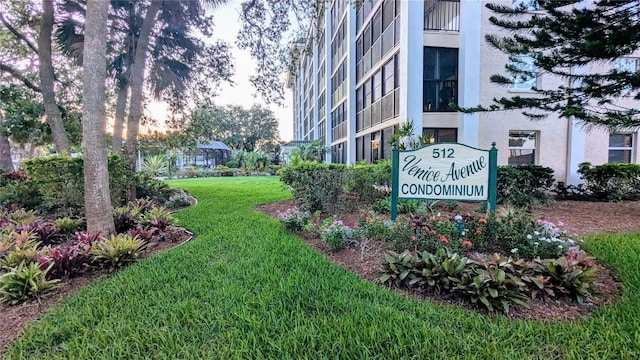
column 366, row 259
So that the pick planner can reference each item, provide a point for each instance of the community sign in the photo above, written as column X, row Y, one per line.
column 445, row 171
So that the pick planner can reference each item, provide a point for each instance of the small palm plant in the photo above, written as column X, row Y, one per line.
column 155, row 165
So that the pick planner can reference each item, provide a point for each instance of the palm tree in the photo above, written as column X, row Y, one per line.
column 45, row 63
column 97, row 199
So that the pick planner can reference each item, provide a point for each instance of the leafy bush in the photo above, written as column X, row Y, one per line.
column 157, row 217
column 440, row 271
column 60, row 180
column 572, row 275
column 338, row 235
column 374, row 227
column 25, row 282
column 405, row 206
column 68, row 225
column 316, row 186
column 117, row 251
column 611, row 182
column 125, row 217
column 25, row 193
column 524, row 186
column 19, row 247
column 370, row 182
column 45, row 232
column 294, row 219
column 86, row 237
column 147, row 234
column 66, row 260
column 179, row 199
column 155, row 165
column 493, row 283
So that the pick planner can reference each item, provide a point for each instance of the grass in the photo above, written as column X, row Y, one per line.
column 247, row 289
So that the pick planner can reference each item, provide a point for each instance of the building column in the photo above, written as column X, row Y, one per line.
column 576, row 137
column 410, row 64
column 327, row 78
column 469, row 70
column 350, row 38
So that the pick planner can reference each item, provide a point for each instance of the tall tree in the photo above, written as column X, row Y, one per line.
column 20, row 62
column 97, row 198
column 562, row 39
column 54, row 118
column 239, row 128
column 268, row 28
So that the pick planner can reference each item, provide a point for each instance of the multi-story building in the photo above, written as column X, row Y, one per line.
column 365, row 70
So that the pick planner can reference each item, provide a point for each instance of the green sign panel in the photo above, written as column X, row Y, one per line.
column 444, row 171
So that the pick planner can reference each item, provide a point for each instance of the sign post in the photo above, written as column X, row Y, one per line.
column 444, row 171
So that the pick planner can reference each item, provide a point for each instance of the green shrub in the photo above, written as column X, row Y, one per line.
column 493, row 283
column 117, row 251
column 26, row 194
column 524, row 186
column 179, row 199
column 68, row 225
column 25, row 282
column 316, row 186
column 611, row 182
column 60, row 180
column 19, row 247
column 572, row 275
column 405, row 206
column 370, row 182
column 374, row 227
column 126, row 217
column 158, row 217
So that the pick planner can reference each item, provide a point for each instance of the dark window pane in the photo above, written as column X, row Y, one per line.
column 387, row 13
column 519, row 157
column 376, row 28
column 620, row 140
column 620, row 156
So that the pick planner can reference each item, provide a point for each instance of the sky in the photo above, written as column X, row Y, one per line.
column 227, row 24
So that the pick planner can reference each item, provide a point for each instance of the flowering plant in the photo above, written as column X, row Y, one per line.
column 373, row 226
column 294, row 219
column 337, row 235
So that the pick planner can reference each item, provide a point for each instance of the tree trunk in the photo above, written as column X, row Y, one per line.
column 97, row 197
column 6, row 163
column 118, row 122
column 137, row 82
column 47, row 77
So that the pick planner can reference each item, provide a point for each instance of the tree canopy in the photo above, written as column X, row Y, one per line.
column 239, row 128
column 579, row 44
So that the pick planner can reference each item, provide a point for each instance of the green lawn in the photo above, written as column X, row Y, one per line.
column 247, row 289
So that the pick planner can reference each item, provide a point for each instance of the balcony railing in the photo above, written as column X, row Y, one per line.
column 442, row 15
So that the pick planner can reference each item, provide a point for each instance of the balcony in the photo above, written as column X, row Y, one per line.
column 442, row 15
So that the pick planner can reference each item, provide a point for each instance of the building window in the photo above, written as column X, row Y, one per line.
column 620, row 148
column 522, row 147
column 527, row 77
column 440, row 85
column 440, row 135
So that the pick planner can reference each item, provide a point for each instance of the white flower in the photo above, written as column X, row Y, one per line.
column 536, row 232
column 529, row 236
column 514, row 250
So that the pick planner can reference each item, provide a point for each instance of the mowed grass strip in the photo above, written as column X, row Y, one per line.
column 245, row 288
